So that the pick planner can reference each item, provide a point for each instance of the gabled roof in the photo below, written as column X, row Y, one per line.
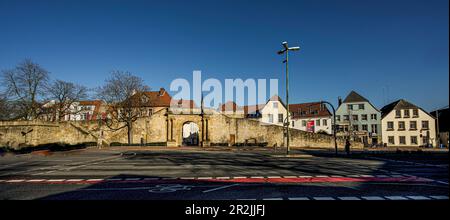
column 354, row 97
column 159, row 98
column 276, row 98
column 398, row 105
column 308, row 109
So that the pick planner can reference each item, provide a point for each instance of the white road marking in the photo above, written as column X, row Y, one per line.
column 373, row 198
column 439, row 197
column 94, row 180
column 299, row 198
column 367, row 176
column 322, row 176
column 299, row 177
column 257, row 177
column 74, row 180
column 396, row 198
column 14, row 181
column 35, row 180
column 291, row 176
column 323, row 198
column 418, row 197
column 272, row 177
column 219, row 188
column 204, row 178
column 223, row 177
column 55, row 180
column 186, row 178
column 349, row 198
column 239, row 177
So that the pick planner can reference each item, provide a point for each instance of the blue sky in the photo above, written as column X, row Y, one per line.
column 385, row 50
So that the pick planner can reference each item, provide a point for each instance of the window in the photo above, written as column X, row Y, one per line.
column 374, row 128
column 425, row 140
column 280, row 118
column 355, row 127
column 425, row 125
column 304, row 123
column 270, row 118
column 364, row 117
column 364, row 127
column 413, row 139
column 390, row 125
column 346, row 117
column 402, row 139
column 318, row 122
column 293, row 123
column 415, row 113
column 412, row 125
column 398, row 113
column 401, row 125
column 373, row 116
column 350, row 107
column 325, row 122
column 391, row 140
column 406, row 113
column 361, row 106
column 275, row 105
column 355, row 117
column 338, row 117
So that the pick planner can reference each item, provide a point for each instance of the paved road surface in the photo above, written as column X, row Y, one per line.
column 128, row 173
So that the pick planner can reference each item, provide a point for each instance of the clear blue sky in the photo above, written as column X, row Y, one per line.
column 385, row 50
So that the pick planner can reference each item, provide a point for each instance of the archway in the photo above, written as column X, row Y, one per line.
column 190, row 134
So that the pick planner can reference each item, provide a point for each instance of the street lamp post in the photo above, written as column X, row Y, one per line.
column 333, row 125
column 286, row 51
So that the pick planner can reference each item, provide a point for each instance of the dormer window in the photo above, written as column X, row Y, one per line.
column 144, row 99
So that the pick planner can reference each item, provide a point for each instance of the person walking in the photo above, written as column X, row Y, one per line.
column 347, row 146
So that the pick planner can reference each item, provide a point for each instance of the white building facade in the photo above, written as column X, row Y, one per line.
column 406, row 125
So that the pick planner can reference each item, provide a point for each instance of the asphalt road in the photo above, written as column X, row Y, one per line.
column 128, row 173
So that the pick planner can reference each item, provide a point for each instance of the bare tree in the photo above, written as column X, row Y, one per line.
column 65, row 94
column 121, row 91
column 24, row 85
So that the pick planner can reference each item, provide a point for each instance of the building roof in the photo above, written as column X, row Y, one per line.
column 229, row 106
column 354, row 97
column 276, row 98
column 309, row 110
column 159, row 98
column 252, row 109
column 398, row 105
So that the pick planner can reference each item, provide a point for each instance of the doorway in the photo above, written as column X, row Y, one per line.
column 190, row 134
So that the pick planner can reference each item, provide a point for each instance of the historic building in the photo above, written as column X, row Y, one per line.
column 311, row 117
column 358, row 119
column 405, row 124
column 274, row 111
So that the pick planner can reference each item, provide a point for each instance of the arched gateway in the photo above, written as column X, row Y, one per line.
column 190, row 134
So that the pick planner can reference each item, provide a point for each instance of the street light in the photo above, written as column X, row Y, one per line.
column 286, row 51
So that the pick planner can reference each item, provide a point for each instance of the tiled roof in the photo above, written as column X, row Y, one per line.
column 308, row 110
column 159, row 98
column 229, row 106
column 397, row 105
column 354, row 97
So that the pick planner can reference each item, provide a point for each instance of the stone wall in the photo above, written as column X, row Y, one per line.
column 161, row 127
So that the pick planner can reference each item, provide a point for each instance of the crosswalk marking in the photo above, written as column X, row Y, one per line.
column 396, row 198
column 299, row 198
column 418, row 197
column 323, row 198
column 349, row 198
column 372, row 198
column 439, row 197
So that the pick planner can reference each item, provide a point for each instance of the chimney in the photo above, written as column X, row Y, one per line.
column 339, row 101
column 162, row 91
